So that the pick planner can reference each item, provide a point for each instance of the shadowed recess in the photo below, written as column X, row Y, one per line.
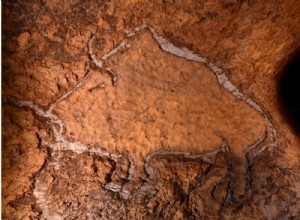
column 289, row 92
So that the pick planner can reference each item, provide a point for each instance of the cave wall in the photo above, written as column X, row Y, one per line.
column 148, row 110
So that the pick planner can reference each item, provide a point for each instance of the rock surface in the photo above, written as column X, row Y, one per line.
column 148, row 110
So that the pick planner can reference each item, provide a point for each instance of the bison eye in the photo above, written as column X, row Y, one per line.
column 289, row 93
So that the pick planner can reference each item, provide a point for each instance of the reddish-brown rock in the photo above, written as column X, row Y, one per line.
column 148, row 110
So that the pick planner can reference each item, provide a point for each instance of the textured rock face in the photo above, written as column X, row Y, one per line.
column 130, row 110
column 23, row 157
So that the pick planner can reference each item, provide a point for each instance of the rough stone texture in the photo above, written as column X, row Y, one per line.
column 23, row 158
column 148, row 110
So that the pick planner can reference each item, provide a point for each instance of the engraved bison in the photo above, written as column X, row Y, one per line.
column 166, row 99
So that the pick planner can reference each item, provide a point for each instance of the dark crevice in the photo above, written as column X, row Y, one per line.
column 109, row 177
column 289, row 92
